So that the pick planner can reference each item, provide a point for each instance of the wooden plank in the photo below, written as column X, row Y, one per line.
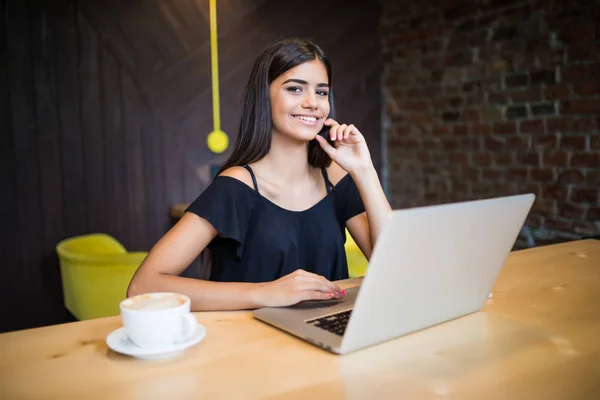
column 154, row 140
column 135, row 171
column 9, row 250
column 64, row 23
column 91, row 126
column 24, row 278
column 50, row 159
column 48, row 138
column 114, row 144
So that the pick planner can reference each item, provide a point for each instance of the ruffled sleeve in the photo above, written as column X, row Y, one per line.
column 227, row 204
column 348, row 200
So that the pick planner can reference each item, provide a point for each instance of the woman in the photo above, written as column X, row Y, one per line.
column 274, row 218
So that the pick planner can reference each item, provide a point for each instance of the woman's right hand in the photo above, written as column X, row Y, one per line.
column 293, row 288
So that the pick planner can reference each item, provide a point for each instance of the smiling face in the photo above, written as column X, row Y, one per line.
column 300, row 102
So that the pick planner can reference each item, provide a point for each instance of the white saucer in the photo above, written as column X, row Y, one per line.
column 119, row 342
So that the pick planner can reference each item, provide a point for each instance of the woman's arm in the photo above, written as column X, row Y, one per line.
column 352, row 155
column 365, row 227
column 171, row 256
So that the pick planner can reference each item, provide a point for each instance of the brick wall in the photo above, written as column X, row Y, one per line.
column 496, row 97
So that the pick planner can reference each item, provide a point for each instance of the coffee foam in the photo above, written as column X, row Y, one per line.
column 153, row 303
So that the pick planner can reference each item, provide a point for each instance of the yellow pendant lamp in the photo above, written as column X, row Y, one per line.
column 217, row 140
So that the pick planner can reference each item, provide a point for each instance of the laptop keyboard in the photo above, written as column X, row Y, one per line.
column 335, row 323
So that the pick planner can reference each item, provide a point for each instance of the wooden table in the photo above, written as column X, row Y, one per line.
column 537, row 338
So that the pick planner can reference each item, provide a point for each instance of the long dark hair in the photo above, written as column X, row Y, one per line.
column 253, row 141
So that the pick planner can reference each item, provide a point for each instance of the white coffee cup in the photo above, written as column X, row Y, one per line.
column 158, row 320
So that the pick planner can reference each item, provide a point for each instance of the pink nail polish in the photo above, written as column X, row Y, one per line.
column 343, row 292
column 330, row 295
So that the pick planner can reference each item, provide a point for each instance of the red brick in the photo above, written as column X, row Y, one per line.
column 441, row 130
column 577, row 33
column 586, row 160
column 482, row 159
column 557, row 158
column 517, row 173
column 575, row 73
column 543, row 174
column 532, row 126
column 471, row 115
column 503, row 159
column 416, row 105
column 578, row 73
column 498, row 98
column 481, row 129
column 417, row 118
column 471, row 143
column 413, row 92
column 460, row 158
column 544, row 141
column 491, row 174
column 527, row 95
column 593, row 177
column 505, row 128
column 593, row 214
column 595, row 141
column 558, row 223
column 517, row 143
column 557, row 192
column 450, row 144
column 491, row 143
column 584, row 52
column 559, row 125
column 558, row 92
column 573, row 142
column 568, row 210
column 470, row 173
column 544, row 206
column 571, row 176
column 587, row 106
column 461, row 130
column 529, row 159
column 587, row 89
column 586, row 124
column 584, row 195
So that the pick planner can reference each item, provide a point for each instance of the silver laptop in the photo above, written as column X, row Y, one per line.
column 430, row 265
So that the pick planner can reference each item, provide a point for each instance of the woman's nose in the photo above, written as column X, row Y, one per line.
column 309, row 101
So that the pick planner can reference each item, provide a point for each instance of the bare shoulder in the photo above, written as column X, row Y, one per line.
column 335, row 173
column 239, row 173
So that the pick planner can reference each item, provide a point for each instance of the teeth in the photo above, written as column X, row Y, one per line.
column 309, row 119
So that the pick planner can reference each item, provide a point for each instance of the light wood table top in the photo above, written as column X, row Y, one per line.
column 537, row 338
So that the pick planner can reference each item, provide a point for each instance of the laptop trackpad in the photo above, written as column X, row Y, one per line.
column 314, row 304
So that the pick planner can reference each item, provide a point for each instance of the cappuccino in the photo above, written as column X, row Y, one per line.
column 155, row 302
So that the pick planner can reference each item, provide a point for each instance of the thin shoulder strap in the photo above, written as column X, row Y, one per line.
column 328, row 184
column 252, row 175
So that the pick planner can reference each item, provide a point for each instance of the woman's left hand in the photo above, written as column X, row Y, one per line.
column 350, row 151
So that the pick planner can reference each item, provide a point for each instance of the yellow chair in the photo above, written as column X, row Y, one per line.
column 357, row 262
column 95, row 271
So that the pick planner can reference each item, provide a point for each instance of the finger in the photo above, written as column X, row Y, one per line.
column 340, row 131
column 320, row 278
column 329, row 122
column 317, row 282
column 333, row 129
column 327, row 148
column 348, row 131
column 315, row 295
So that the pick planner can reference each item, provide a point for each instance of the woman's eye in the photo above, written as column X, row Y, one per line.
column 294, row 89
column 322, row 92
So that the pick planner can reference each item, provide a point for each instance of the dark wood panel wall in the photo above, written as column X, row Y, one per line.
column 106, row 106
